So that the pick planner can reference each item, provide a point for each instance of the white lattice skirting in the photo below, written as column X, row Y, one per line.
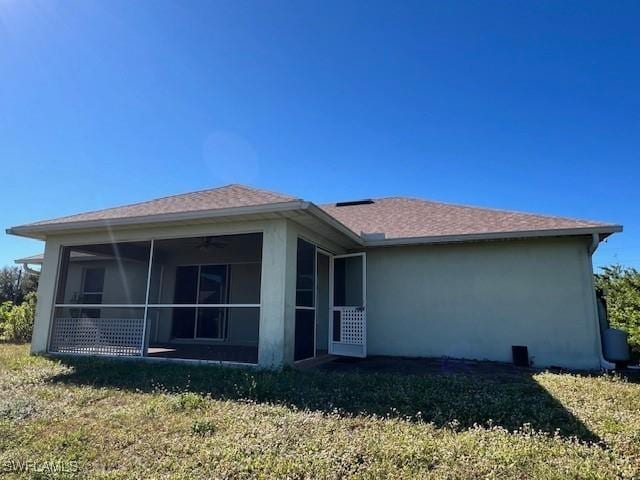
column 97, row 336
column 352, row 325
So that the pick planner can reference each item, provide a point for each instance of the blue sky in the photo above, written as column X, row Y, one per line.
column 531, row 106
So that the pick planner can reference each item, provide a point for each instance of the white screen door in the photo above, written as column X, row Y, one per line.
column 348, row 325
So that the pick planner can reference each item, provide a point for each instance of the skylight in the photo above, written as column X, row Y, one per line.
column 366, row 201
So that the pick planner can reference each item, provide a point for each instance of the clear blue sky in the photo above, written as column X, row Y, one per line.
column 521, row 105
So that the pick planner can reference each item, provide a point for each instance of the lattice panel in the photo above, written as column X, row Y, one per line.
column 97, row 336
column 352, row 325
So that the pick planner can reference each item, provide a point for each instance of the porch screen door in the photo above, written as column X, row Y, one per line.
column 348, row 326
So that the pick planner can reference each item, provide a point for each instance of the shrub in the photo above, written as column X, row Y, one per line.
column 203, row 428
column 188, row 401
column 622, row 290
column 16, row 321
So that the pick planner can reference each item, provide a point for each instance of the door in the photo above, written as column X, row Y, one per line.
column 348, row 326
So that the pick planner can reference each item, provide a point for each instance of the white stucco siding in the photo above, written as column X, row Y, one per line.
column 477, row 300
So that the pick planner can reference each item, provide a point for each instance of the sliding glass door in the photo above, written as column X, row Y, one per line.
column 201, row 285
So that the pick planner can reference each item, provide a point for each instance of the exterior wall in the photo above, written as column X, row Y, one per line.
column 277, row 260
column 460, row 300
column 477, row 300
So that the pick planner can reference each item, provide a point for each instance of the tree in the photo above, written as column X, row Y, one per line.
column 621, row 286
column 16, row 283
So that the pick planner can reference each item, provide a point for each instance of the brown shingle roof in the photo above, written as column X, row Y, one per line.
column 409, row 217
column 228, row 196
column 396, row 218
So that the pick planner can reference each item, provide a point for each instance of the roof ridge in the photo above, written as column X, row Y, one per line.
column 263, row 190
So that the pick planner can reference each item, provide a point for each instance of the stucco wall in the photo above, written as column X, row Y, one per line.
column 477, row 300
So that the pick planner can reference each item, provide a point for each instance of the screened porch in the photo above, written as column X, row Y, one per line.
column 195, row 298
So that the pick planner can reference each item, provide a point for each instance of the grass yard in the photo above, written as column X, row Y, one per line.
column 90, row 418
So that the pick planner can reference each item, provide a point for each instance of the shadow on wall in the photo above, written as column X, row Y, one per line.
column 442, row 395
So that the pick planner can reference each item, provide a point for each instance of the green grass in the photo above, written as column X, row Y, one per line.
column 118, row 419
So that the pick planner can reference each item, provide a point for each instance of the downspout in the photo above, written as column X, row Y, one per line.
column 30, row 270
column 604, row 363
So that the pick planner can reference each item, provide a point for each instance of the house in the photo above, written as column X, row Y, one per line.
column 242, row 275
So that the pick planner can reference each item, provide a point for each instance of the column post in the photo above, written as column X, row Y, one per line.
column 47, row 284
column 275, row 347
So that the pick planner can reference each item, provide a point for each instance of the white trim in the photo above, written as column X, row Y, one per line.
column 471, row 237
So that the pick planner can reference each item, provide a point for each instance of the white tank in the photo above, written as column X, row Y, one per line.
column 616, row 348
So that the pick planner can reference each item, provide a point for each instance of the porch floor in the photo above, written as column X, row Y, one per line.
column 218, row 353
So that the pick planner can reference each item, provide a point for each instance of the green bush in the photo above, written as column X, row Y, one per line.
column 622, row 290
column 16, row 321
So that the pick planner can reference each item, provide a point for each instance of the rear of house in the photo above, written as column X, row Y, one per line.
column 241, row 275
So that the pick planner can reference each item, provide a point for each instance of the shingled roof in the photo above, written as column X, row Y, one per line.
column 374, row 222
column 229, row 196
column 401, row 217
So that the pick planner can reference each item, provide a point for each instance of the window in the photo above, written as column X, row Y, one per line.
column 92, row 285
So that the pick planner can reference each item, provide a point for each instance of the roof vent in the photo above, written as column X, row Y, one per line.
column 372, row 236
column 366, row 201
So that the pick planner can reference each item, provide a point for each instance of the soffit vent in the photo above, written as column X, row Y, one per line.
column 352, row 203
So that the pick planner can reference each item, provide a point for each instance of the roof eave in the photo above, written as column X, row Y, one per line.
column 603, row 231
column 333, row 222
column 41, row 231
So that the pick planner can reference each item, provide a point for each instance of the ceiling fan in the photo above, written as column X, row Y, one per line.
column 207, row 243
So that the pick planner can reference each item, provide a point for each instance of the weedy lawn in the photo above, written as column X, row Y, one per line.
column 119, row 419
